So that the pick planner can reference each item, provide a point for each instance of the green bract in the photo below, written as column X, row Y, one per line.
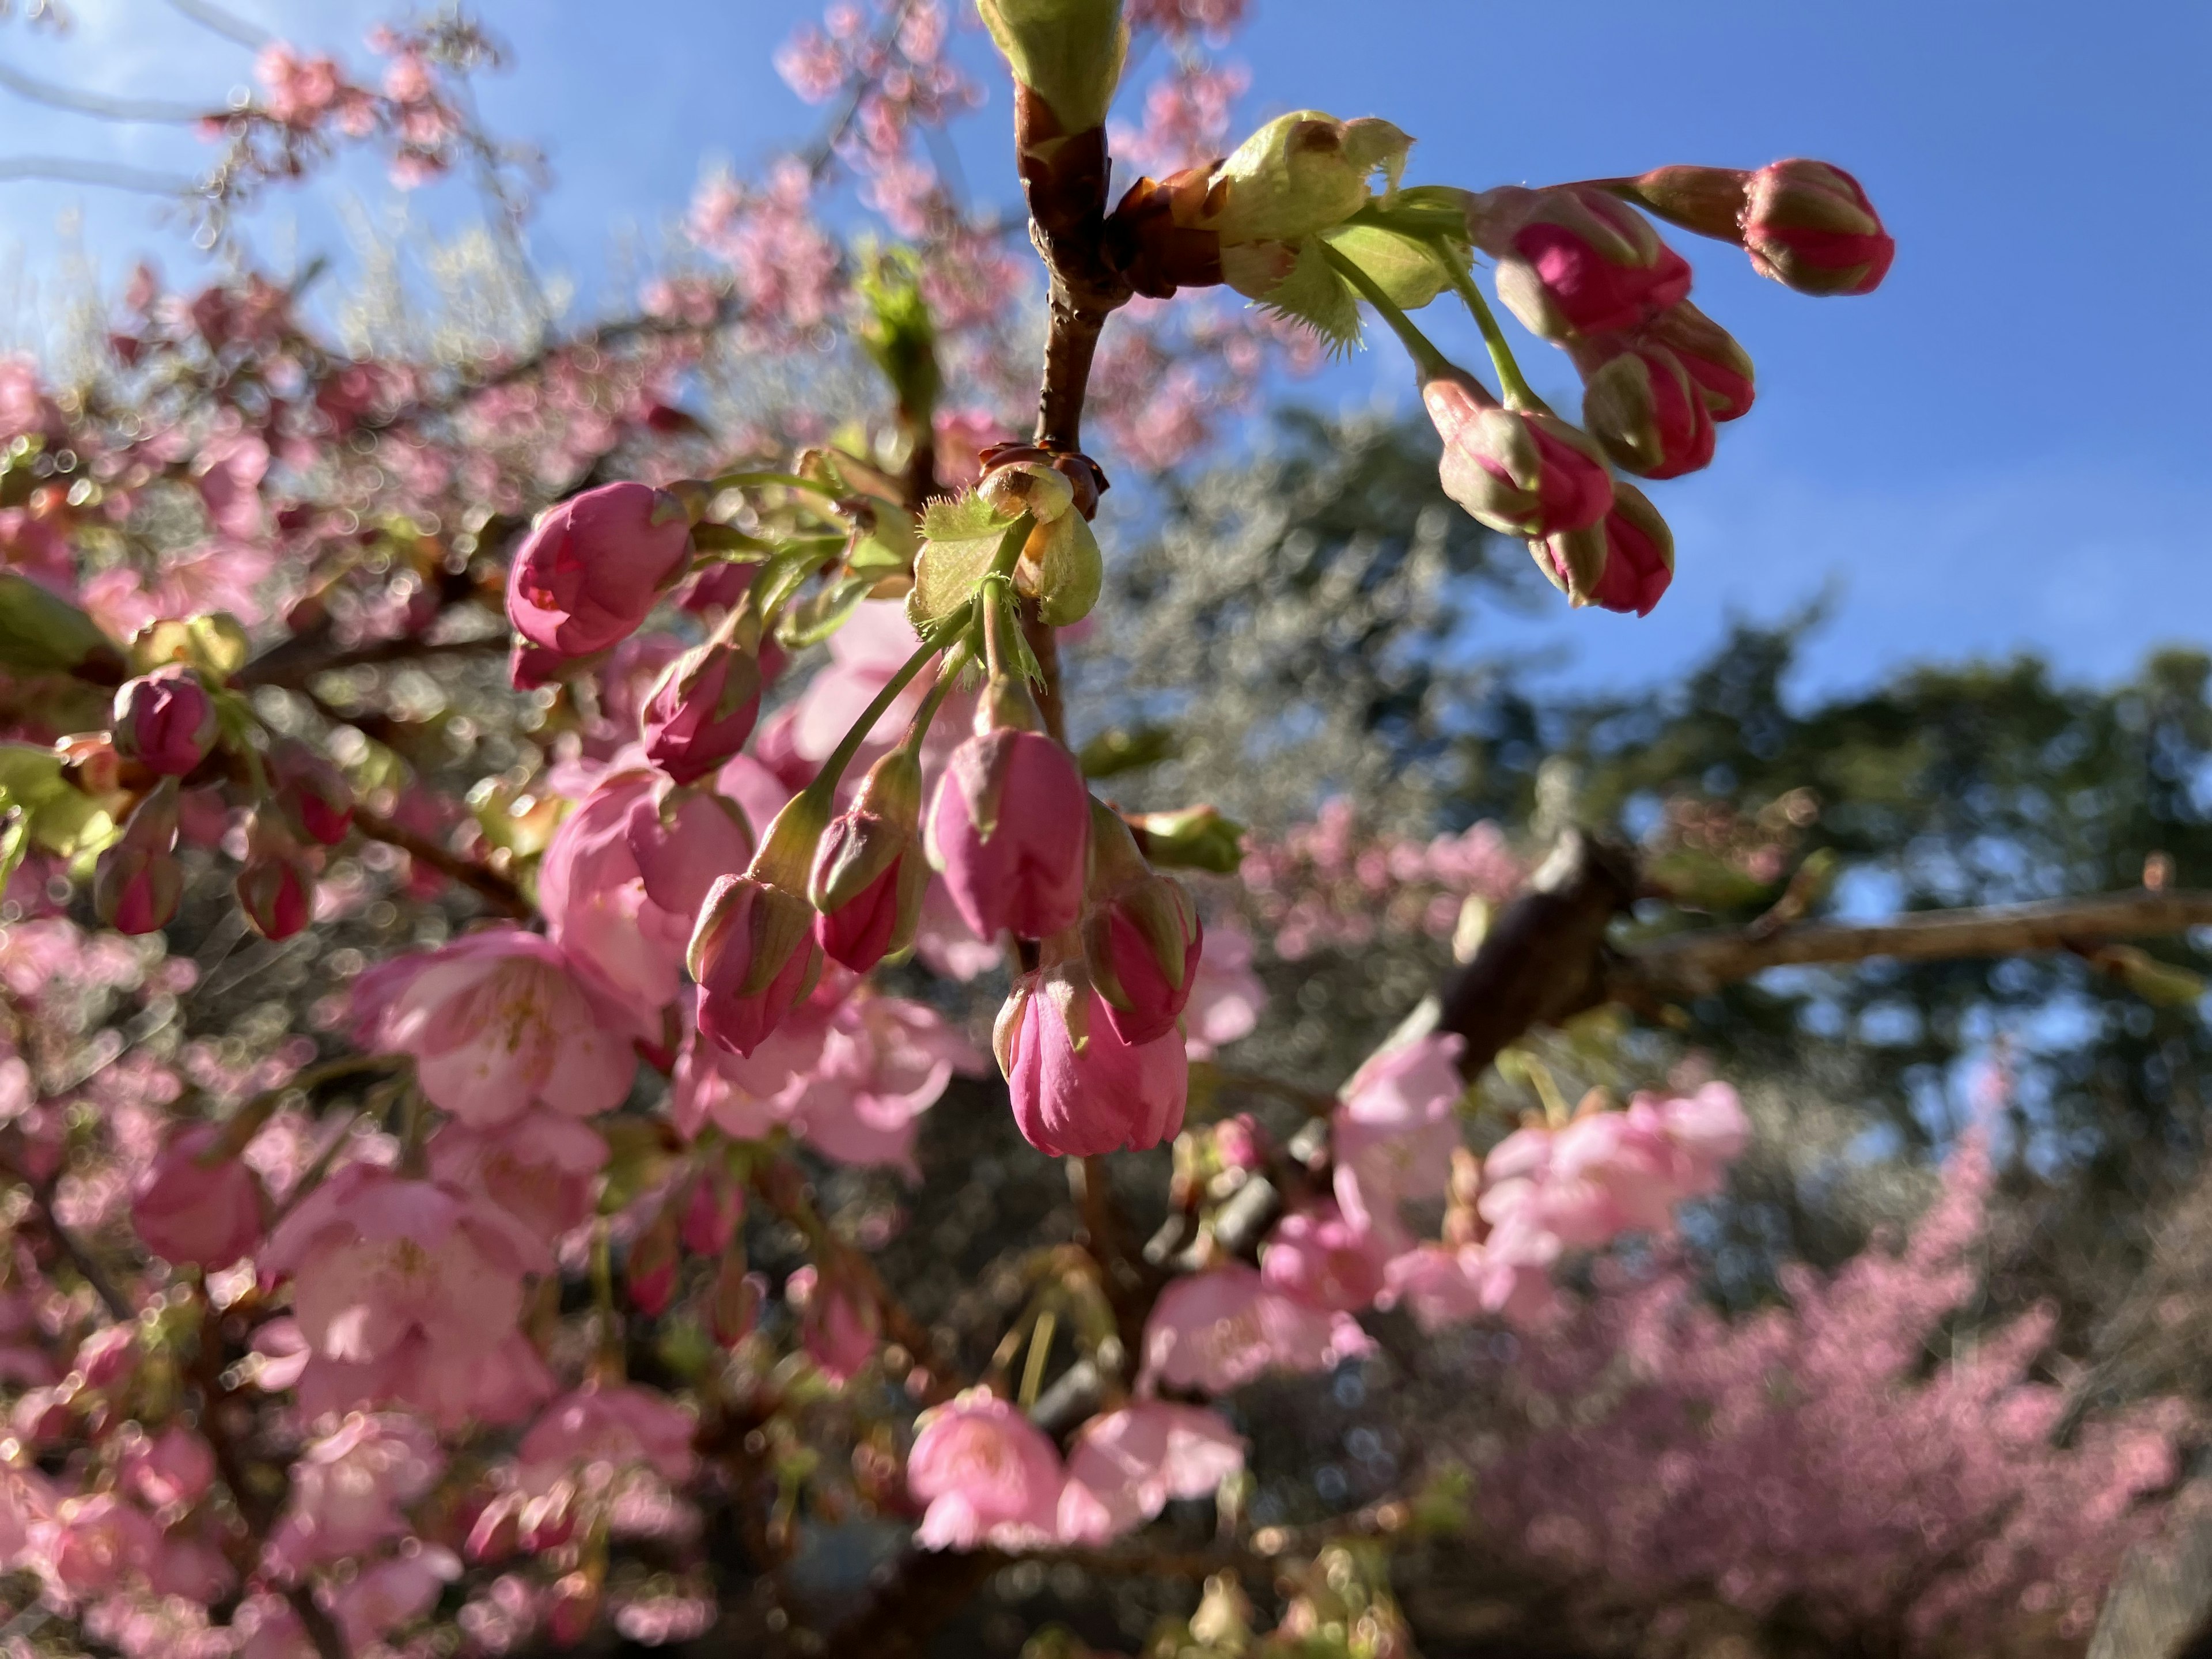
column 1068, row 53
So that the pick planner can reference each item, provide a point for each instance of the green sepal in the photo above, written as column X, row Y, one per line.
column 42, row 632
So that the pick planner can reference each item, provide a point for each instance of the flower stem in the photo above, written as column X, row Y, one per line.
column 824, row 785
column 1518, row 394
column 1426, row 358
column 760, row 480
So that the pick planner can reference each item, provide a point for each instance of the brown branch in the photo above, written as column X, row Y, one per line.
column 1695, row 964
column 490, row 885
column 291, row 670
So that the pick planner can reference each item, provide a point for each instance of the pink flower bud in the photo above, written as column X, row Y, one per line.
column 869, row 873
column 684, row 840
column 313, row 792
column 1624, row 562
column 1575, row 260
column 164, row 720
column 1009, row 828
column 592, row 567
column 1647, row 414
column 703, row 709
column 1322, row 1260
column 276, row 888
column 1709, row 354
column 137, row 883
column 109, row 1357
column 839, row 1322
column 196, row 1213
column 1077, row 1087
column 712, row 1206
column 1142, row 936
column 1810, row 227
column 755, row 957
column 1707, row 200
column 1519, row 471
column 529, row 666
column 574, row 1609
column 649, row 1274
column 733, row 1305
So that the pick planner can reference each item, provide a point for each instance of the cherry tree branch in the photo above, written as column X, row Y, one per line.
column 490, row 885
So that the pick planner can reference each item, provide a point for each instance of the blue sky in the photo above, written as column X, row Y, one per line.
column 2004, row 448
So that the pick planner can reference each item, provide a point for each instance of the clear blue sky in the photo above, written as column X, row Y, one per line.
column 2005, row 447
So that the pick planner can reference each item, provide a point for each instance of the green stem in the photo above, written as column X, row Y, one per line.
column 948, row 675
column 824, row 785
column 782, row 572
column 1426, row 358
column 759, row 480
column 1517, row 392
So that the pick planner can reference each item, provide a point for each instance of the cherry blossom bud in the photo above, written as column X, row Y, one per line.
column 1573, row 260
column 1077, row 1087
column 496, row 1533
column 594, row 566
column 987, row 1474
column 194, row 1212
column 313, row 792
column 1009, row 826
column 753, row 951
column 733, row 1305
column 839, row 1324
column 574, row 1609
column 870, row 872
column 1709, row 354
column 529, row 666
column 137, row 883
column 108, row 1357
column 649, row 1274
column 1810, row 227
column 713, row 1205
column 1068, row 53
column 703, row 709
column 1523, row 472
column 164, row 720
column 276, row 888
column 1647, row 414
column 1142, row 936
column 1624, row 562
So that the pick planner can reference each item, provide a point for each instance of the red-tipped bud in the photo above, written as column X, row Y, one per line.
column 276, row 888
column 1810, row 227
column 1647, row 414
column 497, row 1532
column 137, row 883
column 733, row 1306
column 703, row 709
column 1009, row 827
column 1707, row 200
column 1709, row 354
column 529, row 666
column 713, row 1205
column 1625, row 562
column 1575, row 260
column 755, row 957
column 1142, row 936
column 592, row 567
column 548, row 1520
column 315, row 794
column 574, row 1610
column 1078, row 1088
column 164, row 720
column 1519, row 471
column 869, row 873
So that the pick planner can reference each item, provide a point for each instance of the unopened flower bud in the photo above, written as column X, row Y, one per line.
column 1299, row 175
column 275, row 887
column 753, row 950
column 1647, row 414
column 1810, row 227
column 712, row 1204
column 89, row 761
column 1141, row 936
column 870, row 871
column 703, row 709
column 313, row 793
column 529, row 666
column 575, row 1608
column 1709, row 354
column 649, row 1273
column 164, row 720
column 733, row 1305
column 1522, row 472
column 1009, row 825
column 1192, row 838
column 1068, row 53
column 137, row 883
column 1573, row 260
column 594, row 566
column 1624, row 562
column 1078, row 1088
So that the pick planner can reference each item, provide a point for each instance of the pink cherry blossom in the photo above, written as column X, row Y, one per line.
column 172, row 1471
column 884, row 1061
column 540, row 1168
column 596, row 906
column 196, row 1212
column 599, row 1430
column 408, row 1291
column 1008, row 829
column 1075, row 1096
column 1124, row 1467
column 987, row 1475
column 1394, row 1132
column 1321, row 1259
column 498, row 1022
column 592, row 567
column 393, row 1592
column 1217, row 1330
column 1226, row 995
column 839, row 1325
column 350, row 1488
column 682, row 840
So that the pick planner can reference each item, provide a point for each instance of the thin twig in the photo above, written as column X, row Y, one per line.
column 490, row 885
